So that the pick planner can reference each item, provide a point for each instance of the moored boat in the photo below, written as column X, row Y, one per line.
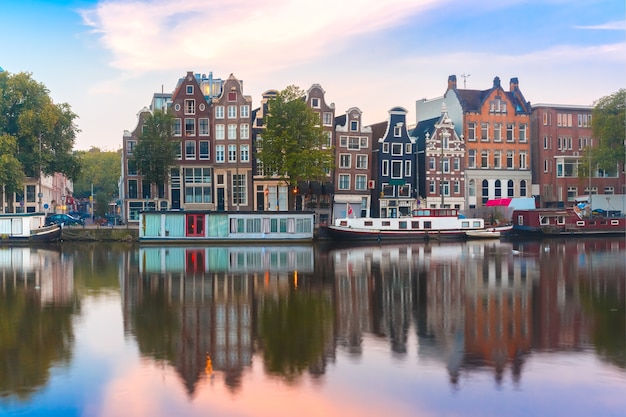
column 489, row 232
column 225, row 226
column 565, row 222
column 424, row 224
column 16, row 228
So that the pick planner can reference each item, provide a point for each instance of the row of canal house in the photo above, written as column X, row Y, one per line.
column 465, row 148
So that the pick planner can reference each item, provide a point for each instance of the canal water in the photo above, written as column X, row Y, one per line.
column 485, row 328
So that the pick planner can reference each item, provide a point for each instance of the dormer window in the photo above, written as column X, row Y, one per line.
column 189, row 90
column 315, row 103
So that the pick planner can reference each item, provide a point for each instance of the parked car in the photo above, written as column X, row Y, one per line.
column 62, row 218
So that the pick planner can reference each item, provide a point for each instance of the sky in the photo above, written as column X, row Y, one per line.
column 106, row 58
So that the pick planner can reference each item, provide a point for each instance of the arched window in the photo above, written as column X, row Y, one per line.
column 472, row 188
column 522, row 188
column 498, row 190
column 510, row 189
column 485, row 195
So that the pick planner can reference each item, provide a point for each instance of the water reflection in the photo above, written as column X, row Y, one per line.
column 210, row 314
column 36, row 306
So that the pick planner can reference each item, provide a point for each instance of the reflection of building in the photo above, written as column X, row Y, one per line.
column 41, row 269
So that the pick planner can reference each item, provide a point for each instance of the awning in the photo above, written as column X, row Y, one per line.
column 499, row 202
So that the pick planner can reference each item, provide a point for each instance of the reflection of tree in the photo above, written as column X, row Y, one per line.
column 32, row 339
column 293, row 331
column 609, row 315
column 156, row 324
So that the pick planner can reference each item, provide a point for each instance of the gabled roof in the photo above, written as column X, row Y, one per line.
column 473, row 100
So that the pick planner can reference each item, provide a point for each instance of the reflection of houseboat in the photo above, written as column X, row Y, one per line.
column 227, row 226
column 424, row 224
column 565, row 222
column 27, row 228
column 201, row 259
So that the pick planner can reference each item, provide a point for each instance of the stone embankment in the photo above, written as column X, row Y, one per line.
column 95, row 233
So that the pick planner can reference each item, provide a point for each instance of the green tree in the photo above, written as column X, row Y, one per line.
column 100, row 169
column 609, row 131
column 293, row 144
column 11, row 172
column 44, row 131
column 156, row 151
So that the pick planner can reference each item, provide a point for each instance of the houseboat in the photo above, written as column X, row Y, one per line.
column 16, row 228
column 225, row 226
column 423, row 224
column 565, row 222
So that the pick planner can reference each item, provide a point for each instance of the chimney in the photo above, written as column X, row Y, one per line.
column 452, row 82
column 496, row 82
column 514, row 84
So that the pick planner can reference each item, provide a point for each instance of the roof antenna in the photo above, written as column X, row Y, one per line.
column 465, row 77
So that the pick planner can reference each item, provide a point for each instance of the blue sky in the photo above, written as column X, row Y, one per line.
column 106, row 58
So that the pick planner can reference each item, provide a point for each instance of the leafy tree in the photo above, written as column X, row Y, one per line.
column 44, row 131
column 102, row 169
column 609, row 130
column 156, row 151
column 11, row 172
column 292, row 145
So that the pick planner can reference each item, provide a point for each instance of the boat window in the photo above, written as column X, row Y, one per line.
column 343, row 223
column 544, row 220
column 368, row 223
column 415, row 225
column 386, row 223
column 402, row 225
column 464, row 224
column 614, row 222
column 580, row 223
column 520, row 220
column 560, row 220
column 428, row 225
column 477, row 223
column 592, row 223
column 425, row 213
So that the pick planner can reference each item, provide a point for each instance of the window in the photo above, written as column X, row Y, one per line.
column 364, row 142
column 497, row 159
column 396, row 149
column 315, row 103
column 497, row 132
column 354, row 126
column 132, row 188
column 522, row 160
column 471, row 189
column 545, row 118
column 509, row 159
column 360, row 182
column 498, row 188
column 471, row 131
column 244, row 111
column 240, row 194
column 190, row 106
column 566, row 168
column 431, row 186
column 327, row 118
column 510, row 132
column 219, row 112
column 396, row 169
column 510, row 187
column 245, row 153
column 232, row 153
column 397, row 131
column 190, row 127
column 329, row 139
column 609, row 190
column 203, row 127
column 343, row 141
column 407, row 148
column 545, row 165
column 471, row 158
column 344, row 182
column 431, row 163
column 189, row 90
column 220, row 132
column 232, row 132
column 132, row 167
column 485, row 191
column 445, row 188
column 445, row 164
column 204, row 149
column 386, row 147
column 361, row 161
column 522, row 188
column 345, row 160
column 457, row 187
column 457, row 164
column 385, row 169
column 178, row 127
column 484, row 131
column 219, row 153
column 179, row 150
column 198, row 185
column 484, row 159
column 244, row 131
column 407, row 168
column 522, row 132
column 545, row 142
column 190, row 149
column 232, row 112
column 354, row 143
